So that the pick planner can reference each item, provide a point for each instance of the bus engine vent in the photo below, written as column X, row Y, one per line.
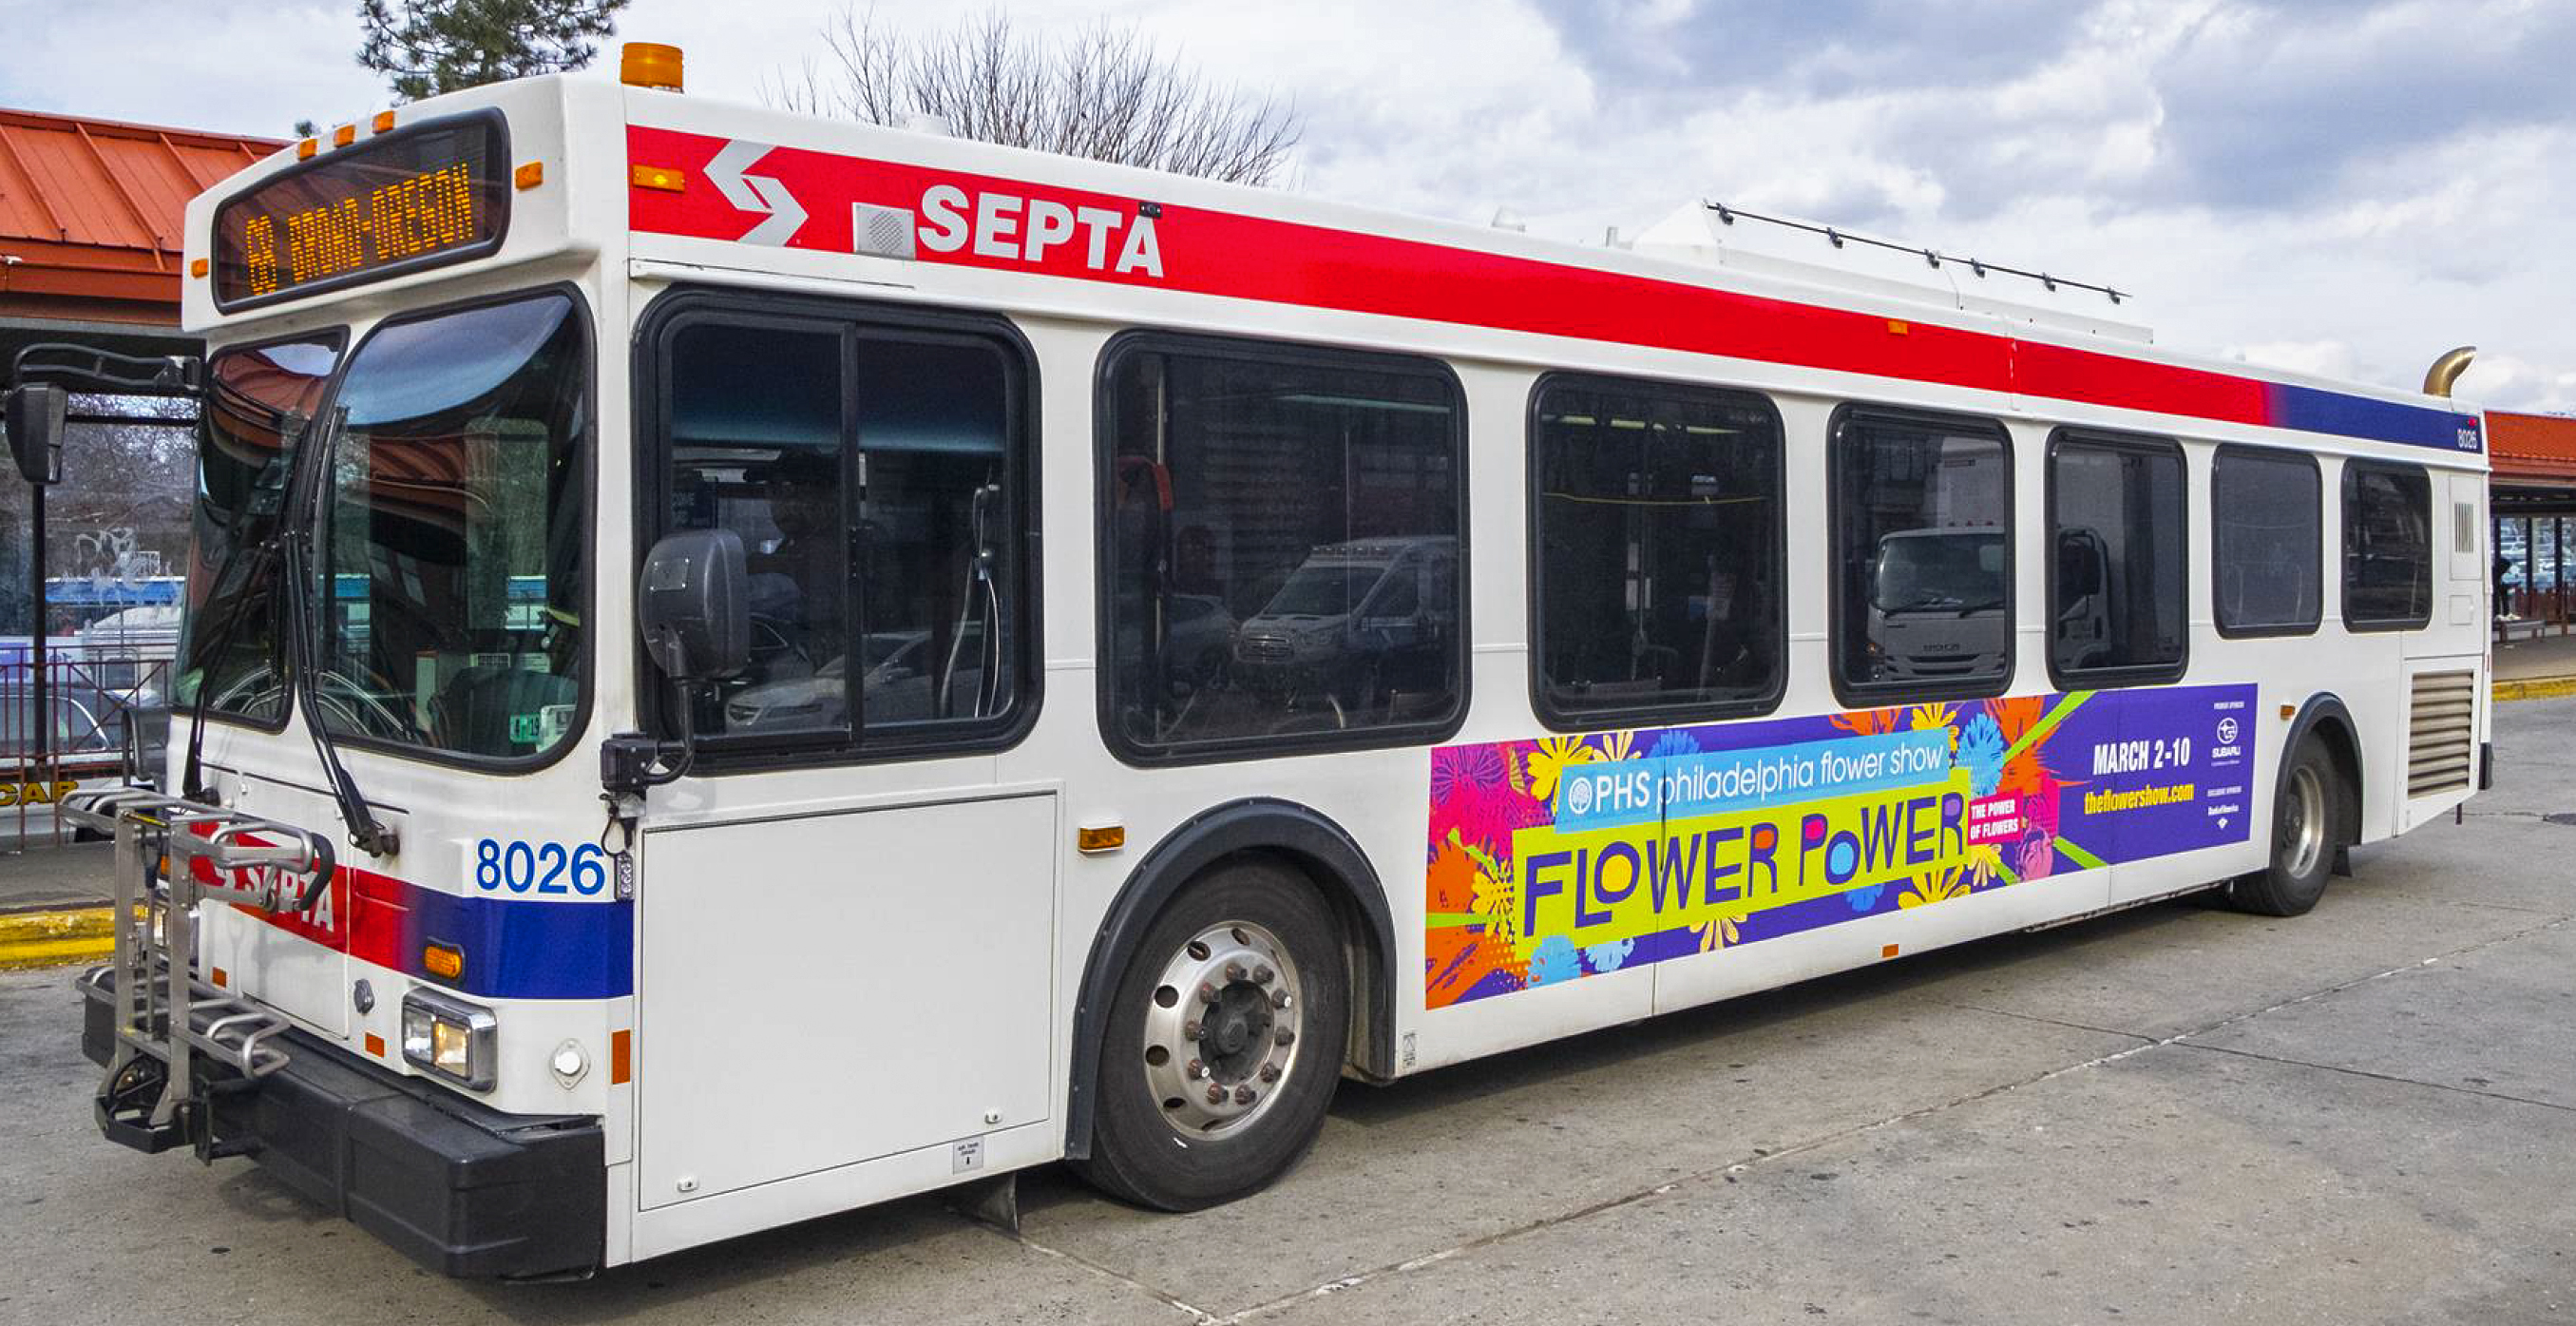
column 2440, row 724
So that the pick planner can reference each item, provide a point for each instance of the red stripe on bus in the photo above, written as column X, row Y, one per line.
column 1284, row 262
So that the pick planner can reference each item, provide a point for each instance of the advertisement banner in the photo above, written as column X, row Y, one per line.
column 1561, row 857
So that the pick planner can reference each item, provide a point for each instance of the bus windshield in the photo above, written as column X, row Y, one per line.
column 260, row 400
column 452, row 533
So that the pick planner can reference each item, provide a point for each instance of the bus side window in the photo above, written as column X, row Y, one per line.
column 1275, row 518
column 2267, row 544
column 2387, row 546
column 1922, row 541
column 2118, row 594
column 870, row 468
column 1656, row 585
column 755, row 446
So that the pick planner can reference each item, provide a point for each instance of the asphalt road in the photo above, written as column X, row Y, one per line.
column 2173, row 1115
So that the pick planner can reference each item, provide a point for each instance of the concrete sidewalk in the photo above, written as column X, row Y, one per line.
column 2535, row 667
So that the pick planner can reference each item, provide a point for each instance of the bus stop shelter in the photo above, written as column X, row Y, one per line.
column 2532, row 496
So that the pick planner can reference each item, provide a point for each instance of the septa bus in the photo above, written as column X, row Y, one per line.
column 859, row 661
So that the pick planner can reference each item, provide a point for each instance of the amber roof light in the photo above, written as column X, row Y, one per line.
column 649, row 64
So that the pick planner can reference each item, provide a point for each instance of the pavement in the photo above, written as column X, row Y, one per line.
column 2173, row 1115
column 2535, row 667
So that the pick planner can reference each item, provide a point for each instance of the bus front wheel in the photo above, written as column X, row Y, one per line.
column 2304, row 816
column 1225, row 1043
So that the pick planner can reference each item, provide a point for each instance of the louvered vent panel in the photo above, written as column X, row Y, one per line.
column 2441, row 720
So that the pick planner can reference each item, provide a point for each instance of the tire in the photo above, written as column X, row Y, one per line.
column 1156, row 1140
column 2305, row 810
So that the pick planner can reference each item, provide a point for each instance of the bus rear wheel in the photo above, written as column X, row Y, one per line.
column 1225, row 1042
column 2305, row 811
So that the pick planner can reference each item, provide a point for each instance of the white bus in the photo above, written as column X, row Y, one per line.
column 861, row 661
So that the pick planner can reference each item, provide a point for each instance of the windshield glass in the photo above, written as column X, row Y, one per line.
column 452, row 533
column 1323, row 591
column 258, row 402
column 1932, row 572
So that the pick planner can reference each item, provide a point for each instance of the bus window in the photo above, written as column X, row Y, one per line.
column 1656, row 515
column 921, row 633
column 1282, row 547
column 1922, row 551
column 260, row 401
column 755, row 447
column 2117, row 595
column 2268, row 541
column 456, row 542
column 2387, row 546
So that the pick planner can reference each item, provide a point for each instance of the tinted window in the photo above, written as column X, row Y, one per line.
column 2387, row 546
column 886, row 531
column 456, row 544
column 1922, row 554
column 1282, row 546
column 2117, row 593
column 1656, row 512
column 2269, row 545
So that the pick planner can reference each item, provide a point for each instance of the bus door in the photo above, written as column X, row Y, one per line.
column 847, row 922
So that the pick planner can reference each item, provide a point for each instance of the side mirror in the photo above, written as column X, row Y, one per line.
column 694, row 604
column 36, row 412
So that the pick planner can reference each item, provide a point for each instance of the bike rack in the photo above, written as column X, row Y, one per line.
column 163, row 1010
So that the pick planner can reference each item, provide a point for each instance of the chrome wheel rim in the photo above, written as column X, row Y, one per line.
column 2302, row 831
column 1224, row 1027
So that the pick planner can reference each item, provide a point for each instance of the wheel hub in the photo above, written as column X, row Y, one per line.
column 1222, row 1027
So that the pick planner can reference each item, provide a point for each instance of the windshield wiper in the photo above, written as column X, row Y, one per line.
column 369, row 834
column 258, row 553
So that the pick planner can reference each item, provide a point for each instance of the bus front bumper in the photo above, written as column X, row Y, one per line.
column 461, row 1189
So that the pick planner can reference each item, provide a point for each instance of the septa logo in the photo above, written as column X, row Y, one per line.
column 1013, row 228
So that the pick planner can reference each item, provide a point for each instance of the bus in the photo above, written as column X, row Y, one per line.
column 860, row 662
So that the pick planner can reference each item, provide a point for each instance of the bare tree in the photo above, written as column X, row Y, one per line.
column 1103, row 92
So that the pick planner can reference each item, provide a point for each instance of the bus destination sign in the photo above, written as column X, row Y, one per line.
column 414, row 199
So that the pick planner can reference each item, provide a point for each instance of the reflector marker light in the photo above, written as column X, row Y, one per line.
column 659, row 177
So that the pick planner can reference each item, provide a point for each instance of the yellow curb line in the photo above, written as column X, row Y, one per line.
column 51, row 939
column 2535, row 688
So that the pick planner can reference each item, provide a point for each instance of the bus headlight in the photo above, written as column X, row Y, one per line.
column 449, row 1037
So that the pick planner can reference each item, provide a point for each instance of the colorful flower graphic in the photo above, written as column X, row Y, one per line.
column 1866, row 722
column 1719, row 933
column 1864, row 897
column 1607, row 957
column 1981, row 748
column 1458, row 954
column 1555, row 960
column 1616, row 746
column 1939, row 886
column 1674, row 741
column 1549, row 758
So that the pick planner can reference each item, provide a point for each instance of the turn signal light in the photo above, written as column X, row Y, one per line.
column 445, row 961
column 1100, row 837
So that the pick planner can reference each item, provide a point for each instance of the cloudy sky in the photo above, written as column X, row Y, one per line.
column 2342, row 186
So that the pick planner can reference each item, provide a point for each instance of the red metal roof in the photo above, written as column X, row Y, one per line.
column 2532, row 446
column 90, row 212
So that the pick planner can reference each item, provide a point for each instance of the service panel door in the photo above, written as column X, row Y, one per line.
column 833, row 988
